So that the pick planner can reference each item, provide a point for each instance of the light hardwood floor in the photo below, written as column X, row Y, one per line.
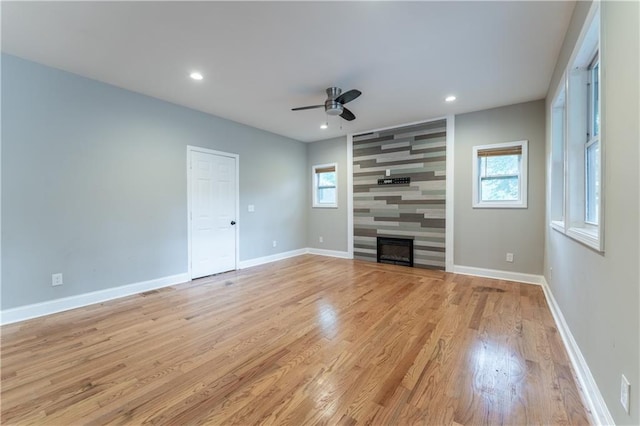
column 302, row 341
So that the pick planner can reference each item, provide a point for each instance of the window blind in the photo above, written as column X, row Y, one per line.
column 329, row 169
column 512, row 150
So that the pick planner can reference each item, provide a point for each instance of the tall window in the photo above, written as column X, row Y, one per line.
column 500, row 175
column 592, row 147
column 325, row 185
column 557, row 169
column 576, row 125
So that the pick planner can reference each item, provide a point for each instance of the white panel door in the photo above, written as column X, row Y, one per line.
column 213, row 213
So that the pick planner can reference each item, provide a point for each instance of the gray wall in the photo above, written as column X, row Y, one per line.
column 482, row 237
column 328, row 223
column 599, row 294
column 94, row 184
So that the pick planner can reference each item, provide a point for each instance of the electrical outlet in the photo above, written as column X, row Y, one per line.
column 625, row 389
column 251, row 208
column 321, row 239
column 510, row 257
column 56, row 279
column 275, row 243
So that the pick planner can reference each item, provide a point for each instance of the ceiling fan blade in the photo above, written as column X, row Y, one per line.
column 348, row 96
column 347, row 115
column 307, row 107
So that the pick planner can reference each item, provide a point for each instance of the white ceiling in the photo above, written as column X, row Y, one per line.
column 260, row 59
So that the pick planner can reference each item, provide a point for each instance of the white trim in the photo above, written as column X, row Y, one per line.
column 522, row 178
column 562, row 89
column 0, row 193
column 188, row 164
column 449, row 206
column 350, row 195
column 572, row 82
column 587, row 35
column 329, row 253
column 591, row 392
column 587, row 236
column 558, row 225
column 562, row 85
column 36, row 310
column 236, row 157
column 293, row 253
column 23, row 313
column 594, row 400
column 271, row 258
column 499, row 275
column 396, row 126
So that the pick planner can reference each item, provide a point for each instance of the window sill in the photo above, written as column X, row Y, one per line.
column 558, row 225
column 586, row 236
column 325, row 206
column 499, row 205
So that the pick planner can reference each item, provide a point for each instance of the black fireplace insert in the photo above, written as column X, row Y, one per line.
column 396, row 251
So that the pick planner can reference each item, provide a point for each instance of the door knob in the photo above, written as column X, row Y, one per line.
column 233, row 222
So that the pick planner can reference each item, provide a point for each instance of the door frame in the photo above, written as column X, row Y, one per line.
column 236, row 157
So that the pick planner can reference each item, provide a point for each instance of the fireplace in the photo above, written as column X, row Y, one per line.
column 397, row 251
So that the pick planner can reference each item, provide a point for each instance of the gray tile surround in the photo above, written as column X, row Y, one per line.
column 415, row 210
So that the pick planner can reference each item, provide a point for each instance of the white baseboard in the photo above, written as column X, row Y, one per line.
column 22, row 313
column 594, row 400
column 499, row 275
column 272, row 258
column 35, row 310
column 330, row 253
column 293, row 253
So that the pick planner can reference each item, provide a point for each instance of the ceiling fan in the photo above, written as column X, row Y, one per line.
column 334, row 105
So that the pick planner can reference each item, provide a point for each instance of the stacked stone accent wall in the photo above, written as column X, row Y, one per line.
column 415, row 210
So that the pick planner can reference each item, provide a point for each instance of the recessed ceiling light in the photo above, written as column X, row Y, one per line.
column 450, row 98
column 323, row 126
column 196, row 76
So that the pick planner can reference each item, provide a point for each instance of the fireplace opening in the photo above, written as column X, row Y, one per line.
column 396, row 251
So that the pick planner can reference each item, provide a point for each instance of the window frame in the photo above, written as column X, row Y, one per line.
column 522, row 201
column 579, row 138
column 315, row 185
column 558, row 157
column 591, row 140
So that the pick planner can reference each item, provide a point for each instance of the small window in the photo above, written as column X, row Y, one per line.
column 325, row 185
column 499, row 175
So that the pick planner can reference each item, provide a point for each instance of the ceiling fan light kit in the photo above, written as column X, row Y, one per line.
column 334, row 105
